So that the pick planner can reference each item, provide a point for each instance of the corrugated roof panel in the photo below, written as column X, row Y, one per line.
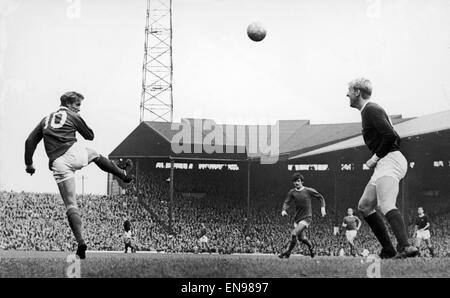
column 413, row 127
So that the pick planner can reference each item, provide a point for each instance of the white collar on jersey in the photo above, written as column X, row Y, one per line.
column 63, row 108
column 364, row 105
column 300, row 189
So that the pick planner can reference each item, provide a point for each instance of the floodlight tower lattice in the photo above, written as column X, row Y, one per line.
column 157, row 71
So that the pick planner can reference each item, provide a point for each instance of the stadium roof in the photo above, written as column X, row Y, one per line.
column 154, row 139
column 414, row 127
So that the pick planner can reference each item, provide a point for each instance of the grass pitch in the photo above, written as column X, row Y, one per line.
column 21, row 264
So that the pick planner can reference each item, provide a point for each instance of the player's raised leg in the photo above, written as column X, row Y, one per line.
column 110, row 167
column 366, row 206
column 387, row 190
column 68, row 193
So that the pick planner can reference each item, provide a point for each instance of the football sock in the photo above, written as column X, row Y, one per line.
column 307, row 243
column 378, row 227
column 398, row 227
column 75, row 224
column 292, row 244
column 430, row 248
column 109, row 167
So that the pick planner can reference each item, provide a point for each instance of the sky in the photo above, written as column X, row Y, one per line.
column 299, row 71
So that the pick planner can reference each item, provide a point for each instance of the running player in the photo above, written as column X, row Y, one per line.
column 351, row 224
column 66, row 156
column 301, row 197
column 422, row 231
column 390, row 167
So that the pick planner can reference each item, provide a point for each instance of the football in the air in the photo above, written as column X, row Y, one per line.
column 256, row 31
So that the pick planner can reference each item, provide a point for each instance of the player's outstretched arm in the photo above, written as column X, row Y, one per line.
column 30, row 146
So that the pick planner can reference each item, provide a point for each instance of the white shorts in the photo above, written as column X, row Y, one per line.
column 305, row 222
column 74, row 159
column 204, row 239
column 423, row 235
column 351, row 235
column 394, row 165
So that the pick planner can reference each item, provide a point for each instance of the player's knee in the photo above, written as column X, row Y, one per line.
column 93, row 155
column 385, row 207
column 364, row 208
column 72, row 209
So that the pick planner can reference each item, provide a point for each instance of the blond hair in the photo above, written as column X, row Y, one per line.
column 362, row 84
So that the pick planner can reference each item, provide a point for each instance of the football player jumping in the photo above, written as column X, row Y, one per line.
column 66, row 156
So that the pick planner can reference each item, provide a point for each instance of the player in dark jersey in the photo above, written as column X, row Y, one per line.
column 422, row 231
column 203, row 239
column 351, row 224
column 66, row 156
column 390, row 167
column 301, row 196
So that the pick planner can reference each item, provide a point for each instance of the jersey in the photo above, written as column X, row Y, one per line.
column 202, row 232
column 421, row 222
column 58, row 131
column 378, row 131
column 351, row 222
column 302, row 202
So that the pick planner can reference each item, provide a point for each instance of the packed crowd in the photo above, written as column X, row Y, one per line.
column 38, row 222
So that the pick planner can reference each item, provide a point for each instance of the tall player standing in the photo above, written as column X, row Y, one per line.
column 390, row 167
column 66, row 156
column 301, row 197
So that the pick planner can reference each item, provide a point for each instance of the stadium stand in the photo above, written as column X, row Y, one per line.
column 37, row 222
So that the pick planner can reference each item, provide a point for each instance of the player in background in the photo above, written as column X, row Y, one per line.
column 128, row 236
column 66, row 156
column 389, row 166
column 351, row 224
column 422, row 231
column 203, row 239
column 301, row 196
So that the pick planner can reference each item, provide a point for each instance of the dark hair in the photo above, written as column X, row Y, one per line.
column 70, row 97
column 297, row 176
column 127, row 225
